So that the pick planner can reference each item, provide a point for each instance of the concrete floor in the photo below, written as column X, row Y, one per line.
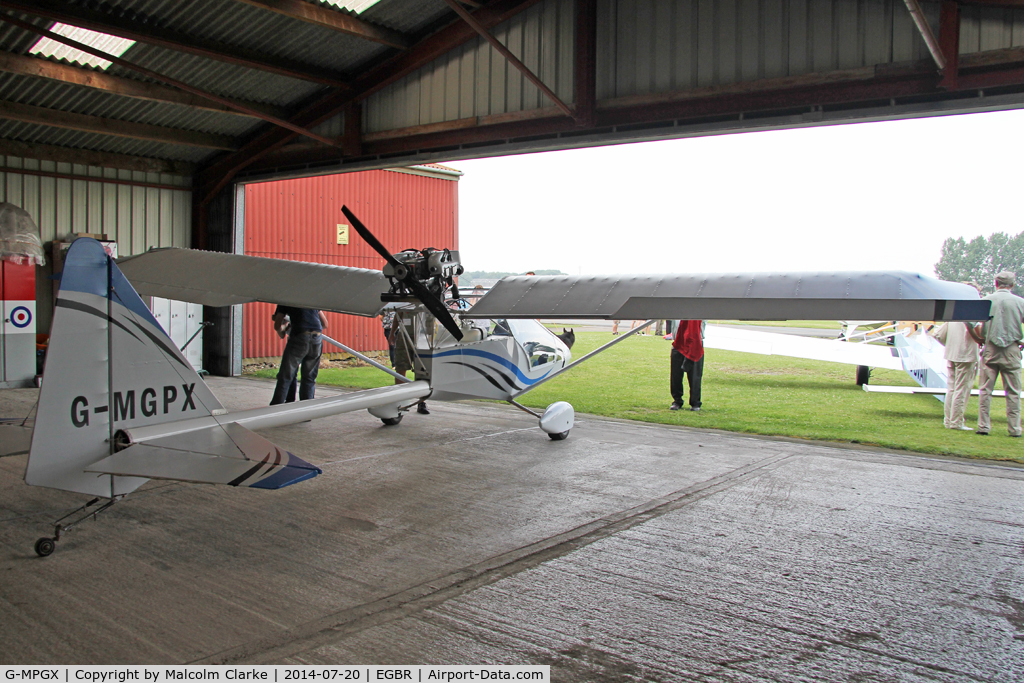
column 627, row 552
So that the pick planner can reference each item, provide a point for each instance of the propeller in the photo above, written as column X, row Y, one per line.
column 406, row 276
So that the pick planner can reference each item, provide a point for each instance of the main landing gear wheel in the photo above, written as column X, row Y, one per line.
column 391, row 421
column 863, row 375
column 560, row 436
column 45, row 546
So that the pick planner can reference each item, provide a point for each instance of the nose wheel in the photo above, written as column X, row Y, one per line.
column 557, row 420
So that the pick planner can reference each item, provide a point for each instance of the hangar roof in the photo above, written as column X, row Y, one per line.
column 229, row 90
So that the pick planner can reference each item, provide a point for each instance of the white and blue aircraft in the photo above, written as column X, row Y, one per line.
column 120, row 405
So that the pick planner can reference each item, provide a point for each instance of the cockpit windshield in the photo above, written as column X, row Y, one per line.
column 539, row 343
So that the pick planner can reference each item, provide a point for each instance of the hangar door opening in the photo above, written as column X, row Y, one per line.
column 301, row 220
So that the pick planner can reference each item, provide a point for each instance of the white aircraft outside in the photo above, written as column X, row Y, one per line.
column 912, row 350
column 120, row 405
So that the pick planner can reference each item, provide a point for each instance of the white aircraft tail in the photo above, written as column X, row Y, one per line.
column 924, row 360
column 109, row 366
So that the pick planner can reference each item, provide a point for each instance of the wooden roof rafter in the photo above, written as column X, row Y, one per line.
column 39, row 67
column 85, row 123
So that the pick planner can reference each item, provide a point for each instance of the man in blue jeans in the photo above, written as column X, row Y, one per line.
column 304, row 327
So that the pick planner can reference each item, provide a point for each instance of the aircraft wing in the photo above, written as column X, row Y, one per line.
column 224, row 454
column 729, row 338
column 893, row 295
column 216, row 279
column 933, row 391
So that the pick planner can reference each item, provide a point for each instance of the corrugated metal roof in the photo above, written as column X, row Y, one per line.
column 228, row 23
column 69, row 98
column 650, row 52
column 407, row 16
column 219, row 78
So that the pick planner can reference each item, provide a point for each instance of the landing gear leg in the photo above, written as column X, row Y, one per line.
column 45, row 546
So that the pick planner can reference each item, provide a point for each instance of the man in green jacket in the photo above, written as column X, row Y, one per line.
column 1002, row 355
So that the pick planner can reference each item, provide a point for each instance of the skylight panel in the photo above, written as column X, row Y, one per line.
column 47, row 47
column 356, row 6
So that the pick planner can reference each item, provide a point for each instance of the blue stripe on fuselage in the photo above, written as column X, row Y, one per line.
column 492, row 357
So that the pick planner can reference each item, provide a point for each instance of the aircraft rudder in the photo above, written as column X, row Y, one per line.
column 84, row 399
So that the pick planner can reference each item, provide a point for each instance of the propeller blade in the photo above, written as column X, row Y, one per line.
column 419, row 290
column 365, row 233
column 436, row 307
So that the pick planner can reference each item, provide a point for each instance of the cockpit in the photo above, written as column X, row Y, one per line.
column 539, row 343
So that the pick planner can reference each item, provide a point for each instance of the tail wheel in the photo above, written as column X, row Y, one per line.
column 863, row 375
column 45, row 546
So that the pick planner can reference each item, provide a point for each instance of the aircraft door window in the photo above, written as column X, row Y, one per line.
column 536, row 341
column 540, row 355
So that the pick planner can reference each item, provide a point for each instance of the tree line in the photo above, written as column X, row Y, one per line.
column 498, row 274
column 981, row 258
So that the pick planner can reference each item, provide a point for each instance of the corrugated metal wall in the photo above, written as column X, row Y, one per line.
column 699, row 43
column 298, row 219
column 990, row 28
column 475, row 80
column 658, row 46
column 138, row 217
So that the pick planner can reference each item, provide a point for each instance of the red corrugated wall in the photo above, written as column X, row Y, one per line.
column 298, row 220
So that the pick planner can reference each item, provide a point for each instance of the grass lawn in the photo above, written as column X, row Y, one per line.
column 753, row 394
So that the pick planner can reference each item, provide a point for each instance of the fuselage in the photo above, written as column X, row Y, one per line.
column 498, row 359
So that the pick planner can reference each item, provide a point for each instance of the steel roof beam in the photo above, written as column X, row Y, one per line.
column 86, row 157
column 949, row 42
column 585, row 63
column 511, row 58
column 809, row 92
column 143, row 30
column 334, row 20
column 38, row 67
column 103, row 126
column 917, row 14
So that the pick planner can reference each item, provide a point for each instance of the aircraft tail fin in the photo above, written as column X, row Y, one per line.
column 109, row 366
column 923, row 359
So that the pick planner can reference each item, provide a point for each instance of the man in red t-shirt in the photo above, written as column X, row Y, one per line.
column 687, row 357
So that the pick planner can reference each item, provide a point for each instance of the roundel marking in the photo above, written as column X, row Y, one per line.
column 21, row 317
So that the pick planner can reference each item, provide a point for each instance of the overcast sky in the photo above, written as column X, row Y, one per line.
column 869, row 196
